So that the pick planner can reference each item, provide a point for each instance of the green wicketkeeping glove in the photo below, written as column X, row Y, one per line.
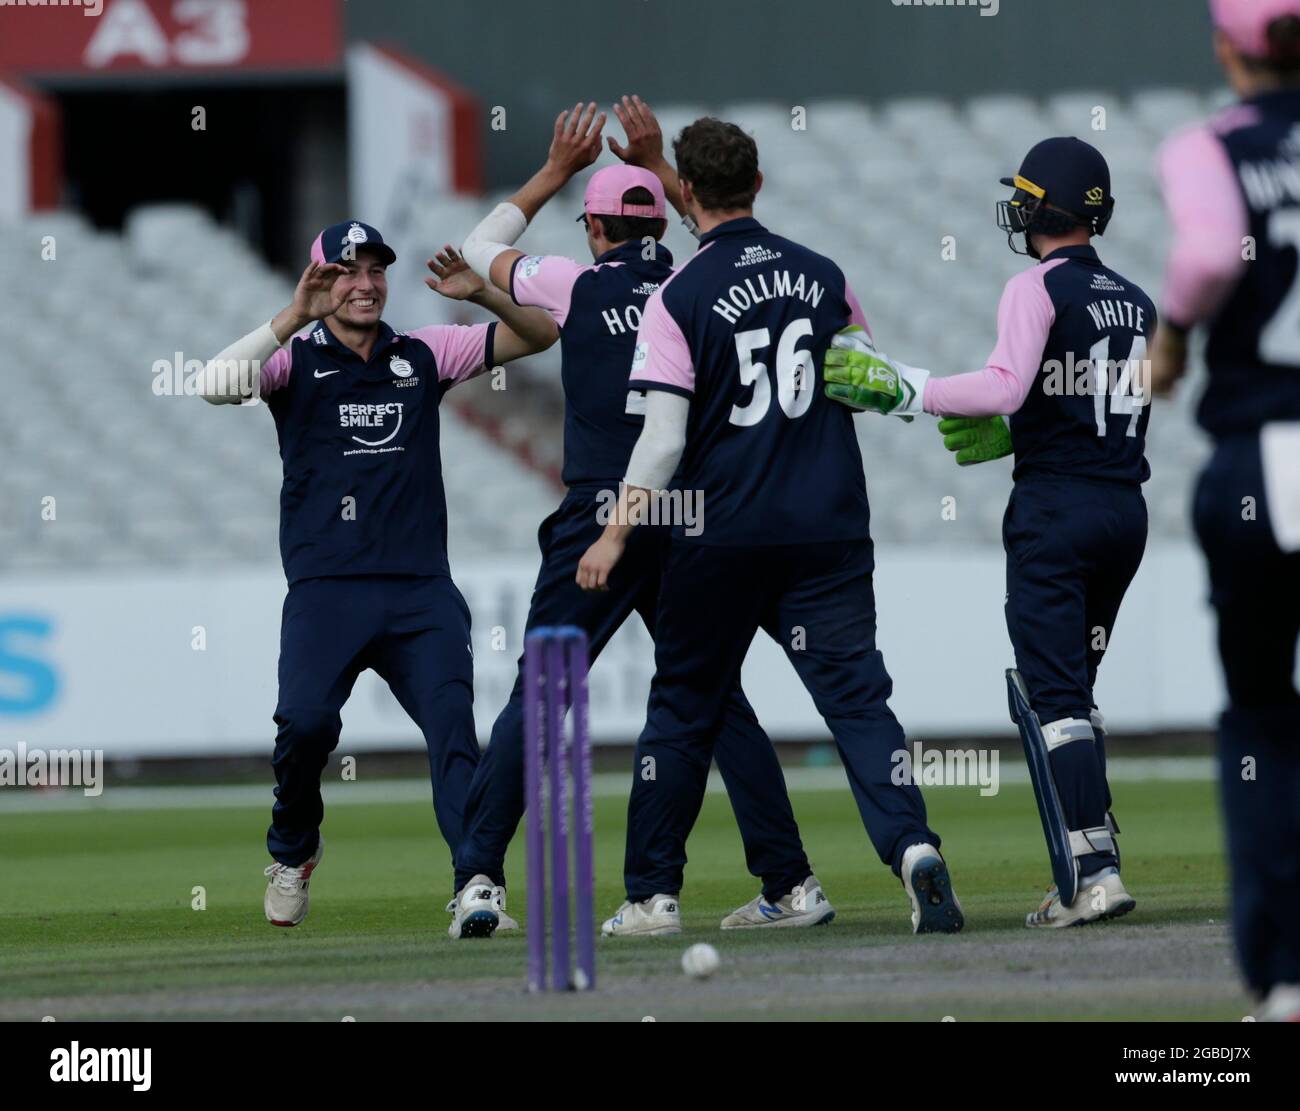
column 976, row 439
column 861, row 378
column 858, row 376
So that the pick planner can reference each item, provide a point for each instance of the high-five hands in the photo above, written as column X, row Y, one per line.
column 576, row 144
column 452, row 276
column 645, row 140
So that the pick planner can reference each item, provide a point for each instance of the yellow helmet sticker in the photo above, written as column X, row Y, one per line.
column 1029, row 187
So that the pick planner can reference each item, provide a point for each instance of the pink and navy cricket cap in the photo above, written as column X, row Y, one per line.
column 605, row 191
column 341, row 242
column 1246, row 22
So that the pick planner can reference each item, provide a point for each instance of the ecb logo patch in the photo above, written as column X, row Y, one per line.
column 401, row 367
column 530, row 266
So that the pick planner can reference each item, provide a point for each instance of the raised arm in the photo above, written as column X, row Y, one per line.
column 236, row 373
column 645, row 148
column 522, row 331
column 575, row 145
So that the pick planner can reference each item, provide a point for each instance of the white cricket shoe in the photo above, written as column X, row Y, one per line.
column 473, row 910
column 806, row 905
column 504, row 921
column 935, row 907
column 1282, row 1004
column 1100, row 896
column 286, row 890
column 654, row 917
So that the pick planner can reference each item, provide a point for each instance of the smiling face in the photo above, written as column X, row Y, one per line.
column 365, row 289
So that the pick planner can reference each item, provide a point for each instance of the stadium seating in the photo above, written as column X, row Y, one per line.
column 889, row 190
column 140, row 479
column 879, row 187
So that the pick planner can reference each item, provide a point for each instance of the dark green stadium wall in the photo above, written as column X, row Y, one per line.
column 532, row 57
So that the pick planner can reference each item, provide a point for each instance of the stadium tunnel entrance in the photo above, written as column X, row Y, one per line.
column 277, row 184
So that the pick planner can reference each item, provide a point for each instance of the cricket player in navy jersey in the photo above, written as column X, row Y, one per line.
column 728, row 354
column 1068, row 372
column 1228, row 184
column 598, row 308
column 363, row 522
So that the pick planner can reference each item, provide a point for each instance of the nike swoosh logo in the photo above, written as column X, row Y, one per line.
column 326, row 374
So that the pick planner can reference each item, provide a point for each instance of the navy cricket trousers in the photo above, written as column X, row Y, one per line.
column 746, row 759
column 414, row 631
column 1255, row 591
column 817, row 602
column 1073, row 546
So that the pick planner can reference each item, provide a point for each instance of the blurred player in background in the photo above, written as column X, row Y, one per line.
column 727, row 353
column 363, row 524
column 598, row 308
column 1072, row 335
column 1232, row 190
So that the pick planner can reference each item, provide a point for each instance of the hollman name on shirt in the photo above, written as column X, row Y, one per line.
column 757, row 289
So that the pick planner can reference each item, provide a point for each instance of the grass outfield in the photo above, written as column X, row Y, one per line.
column 96, row 922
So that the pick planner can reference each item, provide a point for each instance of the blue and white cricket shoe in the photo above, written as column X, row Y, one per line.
column 474, row 910
column 806, row 905
column 935, row 907
column 656, row 916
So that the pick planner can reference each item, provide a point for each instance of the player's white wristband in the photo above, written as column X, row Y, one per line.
column 234, row 374
column 496, row 232
column 690, row 225
column 913, row 380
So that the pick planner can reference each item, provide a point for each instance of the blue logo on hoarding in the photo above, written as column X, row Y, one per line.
column 28, row 684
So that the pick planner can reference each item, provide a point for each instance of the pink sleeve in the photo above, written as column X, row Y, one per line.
column 1025, row 317
column 1209, row 220
column 545, row 281
column 275, row 371
column 663, row 357
column 460, row 350
column 856, row 315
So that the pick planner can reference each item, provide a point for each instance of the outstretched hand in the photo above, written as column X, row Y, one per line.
column 576, row 142
column 452, row 277
column 645, row 139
